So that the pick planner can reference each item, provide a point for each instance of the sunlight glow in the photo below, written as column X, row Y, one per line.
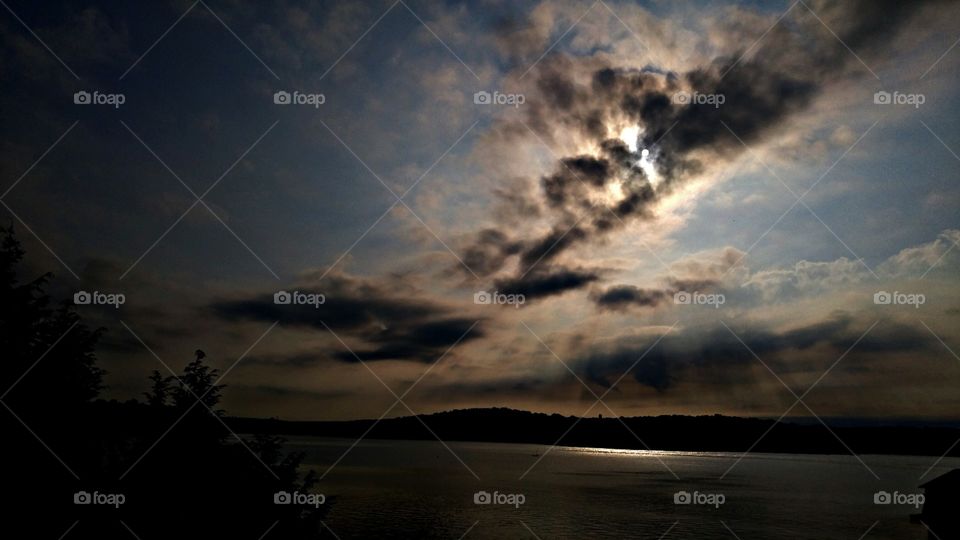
column 646, row 163
column 630, row 135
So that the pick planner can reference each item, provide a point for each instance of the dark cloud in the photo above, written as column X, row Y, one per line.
column 339, row 313
column 548, row 246
column 424, row 342
column 391, row 326
column 718, row 350
column 546, row 281
column 622, row 296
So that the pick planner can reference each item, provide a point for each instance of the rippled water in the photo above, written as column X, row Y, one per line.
column 419, row 489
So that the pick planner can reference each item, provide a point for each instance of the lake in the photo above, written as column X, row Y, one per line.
column 419, row 489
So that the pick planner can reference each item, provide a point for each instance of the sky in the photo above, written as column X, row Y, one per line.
column 618, row 208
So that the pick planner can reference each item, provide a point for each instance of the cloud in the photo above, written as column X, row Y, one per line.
column 918, row 260
column 592, row 193
column 724, row 270
column 708, row 271
column 807, row 278
column 423, row 342
column 716, row 348
column 622, row 296
column 399, row 327
column 547, row 281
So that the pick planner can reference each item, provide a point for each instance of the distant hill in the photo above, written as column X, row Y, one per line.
column 683, row 433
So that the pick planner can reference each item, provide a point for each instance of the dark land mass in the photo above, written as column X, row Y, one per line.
column 681, row 433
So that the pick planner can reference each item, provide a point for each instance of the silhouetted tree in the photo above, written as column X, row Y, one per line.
column 183, row 472
column 159, row 392
column 203, row 466
column 198, row 382
column 49, row 378
column 48, row 353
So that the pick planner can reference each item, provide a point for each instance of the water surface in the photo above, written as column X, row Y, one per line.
column 419, row 489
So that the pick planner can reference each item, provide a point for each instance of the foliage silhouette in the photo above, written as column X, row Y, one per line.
column 181, row 471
